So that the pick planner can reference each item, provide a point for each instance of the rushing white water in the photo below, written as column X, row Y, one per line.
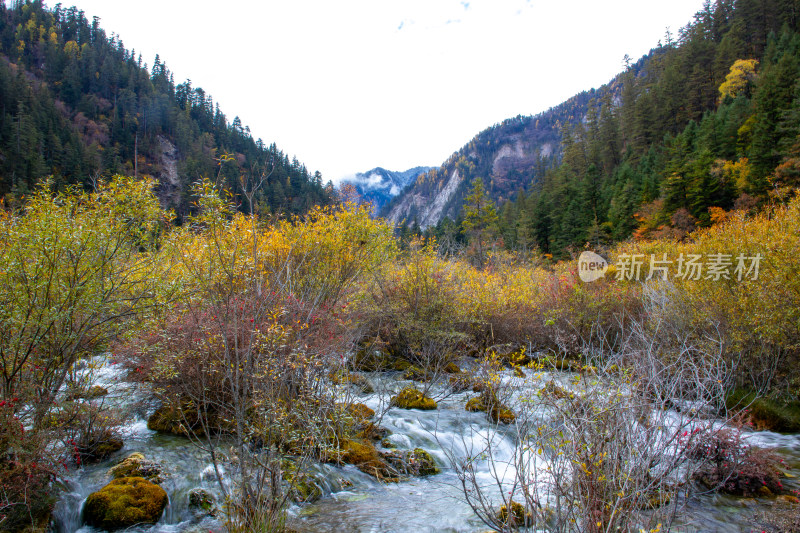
column 356, row 502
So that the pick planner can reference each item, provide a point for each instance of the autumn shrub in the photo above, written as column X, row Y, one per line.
column 755, row 304
column 78, row 269
column 734, row 466
column 411, row 309
column 243, row 359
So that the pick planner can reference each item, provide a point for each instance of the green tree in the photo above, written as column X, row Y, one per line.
column 480, row 217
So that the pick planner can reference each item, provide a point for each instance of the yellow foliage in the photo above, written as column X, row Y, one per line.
column 742, row 73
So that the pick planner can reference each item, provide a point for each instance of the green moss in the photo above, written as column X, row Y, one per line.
column 125, row 502
column 361, row 383
column 424, row 463
column 364, row 456
column 105, row 448
column 461, row 382
column 476, row 404
column 452, row 368
column 501, row 414
column 517, row 517
column 415, row 373
column 766, row 413
column 370, row 360
column 496, row 411
column 401, row 365
column 359, row 411
column 411, row 398
column 202, row 500
column 136, row 465
column 551, row 390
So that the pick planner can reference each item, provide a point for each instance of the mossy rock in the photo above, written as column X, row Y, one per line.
column 551, row 390
column 479, row 386
column 136, row 465
column 517, row 517
column 303, row 488
column 496, row 411
column 183, row 421
column 357, row 381
column 399, row 364
column 559, row 363
column 510, row 354
column 373, row 432
column 125, row 502
column 461, row 382
column 451, row 368
column 424, row 463
column 501, row 414
column 360, row 383
column 370, row 360
column 365, row 457
column 417, row 462
column 92, row 393
column 414, row 373
column 359, row 411
column 96, row 391
column 101, row 447
column 476, row 404
column 203, row 501
column 656, row 499
column 411, row 398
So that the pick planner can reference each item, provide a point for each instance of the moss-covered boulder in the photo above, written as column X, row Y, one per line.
column 495, row 410
column 359, row 411
column 125, row 502
column 357, row 381
column 501, row 414
column 551, row 390
column 370, row 360
column 451, row 368
column 92, row 393
column 414, row 373
column 564, row 364
column 183, row 419
column 516, row 516
column 416, row 462
column 203, row 501
column 411, row 398
column 360, row 383
column 475, row 404
column 364, row 456
column 302, row 487
column 462, row 382
column 99, row 447
column 373, row 432
column 136, row 465
column 423, row 462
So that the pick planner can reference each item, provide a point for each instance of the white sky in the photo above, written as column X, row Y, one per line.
column 349, row 85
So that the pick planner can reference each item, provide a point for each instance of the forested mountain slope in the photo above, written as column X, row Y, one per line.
column 77, row 105
column 706, row 122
